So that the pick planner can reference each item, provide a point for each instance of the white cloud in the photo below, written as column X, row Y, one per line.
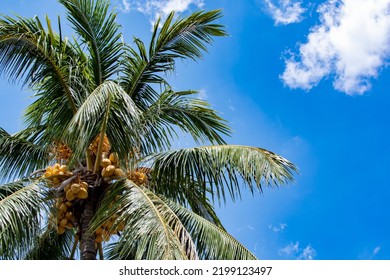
column 159, row 8
column 202, row 94
column 278, row 228
column 294, row 251
column 351, row 44
column 125, row 7
column 376, row 250
column 285, row 11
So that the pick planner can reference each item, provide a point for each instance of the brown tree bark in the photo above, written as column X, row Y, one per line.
column 88, row 251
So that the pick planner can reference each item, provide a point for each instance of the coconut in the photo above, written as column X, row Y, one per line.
column 110, row 170
column 63, row 222
column 67, row 188
column 69, row 225
column 75, row 188
column 69, row 215
column 70, row 195
column 84, row 185
column 105, row 162
column 119, row 172
column 63, row 208
column 63, row 168
column 99, row 238
column 82, row 194
column 113, row 158
column 60, row 230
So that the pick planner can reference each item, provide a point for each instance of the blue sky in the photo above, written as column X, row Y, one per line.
column 305, row 79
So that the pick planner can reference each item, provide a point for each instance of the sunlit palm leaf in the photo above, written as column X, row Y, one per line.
column 23, row 207
column 184, row 38
column 191, row 115
column 153, row 231
column 33, row 55
column 110, row 110
column 212, row 242
column 99, row 31
column 51, row 246
column 19, row 156
column 222, row 168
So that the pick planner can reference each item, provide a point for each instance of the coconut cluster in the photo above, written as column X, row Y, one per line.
column 61, row 151
column 138, row 176
column 110, row 227
column 110, row 166
column 65, row 217
column 75, row 189
column 57, row 173
column 65, row 207
column 93, row 147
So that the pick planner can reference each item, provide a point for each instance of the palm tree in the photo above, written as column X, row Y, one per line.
column 92, row 173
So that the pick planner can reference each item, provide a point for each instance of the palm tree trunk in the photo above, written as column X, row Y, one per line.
column 88, row 251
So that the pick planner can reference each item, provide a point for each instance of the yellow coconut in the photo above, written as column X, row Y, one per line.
column 67, row 188
column 84, row 185
column 113, row 158
column 119, row 172
column 49, row 169
column 63, row 222
column 69, row 225
column 105, row 162
column 110, row 170
column 69, row 215
column 75, row 188
column 82, row 194
column 56, row 168
column 70, row 195
column 63, row 168
column 63, row 208
column 69, row 204
column 99, row 238
column 60, row 230
column 60, row 216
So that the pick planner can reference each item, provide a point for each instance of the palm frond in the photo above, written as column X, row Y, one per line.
column 19, row 156
column 33, row 55
column 107, row 109
column 212, row 242
column 97, row 27
column 152, row 231
column 23, row 207
column 191, row 115
column 185, row 38
column 220, row 168
column 51, row 246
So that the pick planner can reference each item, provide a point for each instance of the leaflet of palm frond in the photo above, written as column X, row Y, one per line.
column 152, row 229
column 22, row 209
column 19, row 157
column 221, row 168
column 106, row 110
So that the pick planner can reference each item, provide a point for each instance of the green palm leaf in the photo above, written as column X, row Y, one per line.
column 191, row 115
column 24, row 205
column 222, row 168
column 33, row 55
column 19, row 156
column 99, row 31
column 108, row 109
column 153, row 231
column 212, row 242
column 185, row 38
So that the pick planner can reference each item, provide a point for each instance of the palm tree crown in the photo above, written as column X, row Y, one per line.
column 93, row 171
